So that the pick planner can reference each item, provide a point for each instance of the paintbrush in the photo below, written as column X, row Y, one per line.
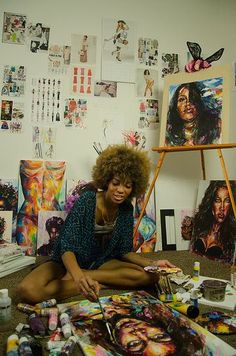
column 106, row 321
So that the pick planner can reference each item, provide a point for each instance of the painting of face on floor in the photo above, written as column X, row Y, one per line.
column 139, row 324
column 214, row 229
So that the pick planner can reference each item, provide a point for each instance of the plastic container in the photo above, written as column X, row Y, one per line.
column 5, row 309
column 214, row 290
column 24, row 347
column 196, row 271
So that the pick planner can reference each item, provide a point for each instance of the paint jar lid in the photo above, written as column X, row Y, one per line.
column 3, row 293
column 196, row 264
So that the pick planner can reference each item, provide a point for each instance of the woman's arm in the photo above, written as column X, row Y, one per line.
column 84, row 284
column 142, row 261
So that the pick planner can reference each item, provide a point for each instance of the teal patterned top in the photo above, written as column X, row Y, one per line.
column 78, row 234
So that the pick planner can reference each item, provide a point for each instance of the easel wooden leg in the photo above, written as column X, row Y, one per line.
column 227, row 181
column 160, row 162
column 203, row 165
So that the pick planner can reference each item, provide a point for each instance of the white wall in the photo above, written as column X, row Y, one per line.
column 211, row 23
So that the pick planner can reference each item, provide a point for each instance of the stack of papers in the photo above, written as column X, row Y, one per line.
column 12, row 258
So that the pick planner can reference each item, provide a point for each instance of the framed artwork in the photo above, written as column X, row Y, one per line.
column 168, row 229
column 184, row 227
column 195, row 108
column 140, row 324
column 214, row 230
column 6, row 226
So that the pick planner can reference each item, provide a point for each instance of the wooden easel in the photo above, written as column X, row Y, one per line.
column 201, row 148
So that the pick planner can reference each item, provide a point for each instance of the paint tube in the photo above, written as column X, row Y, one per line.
column 68, row 347
column 36, row 324
column 24, row 348
column 46, row 303
column 12, row 345
column 190, row 310
column 65, row 325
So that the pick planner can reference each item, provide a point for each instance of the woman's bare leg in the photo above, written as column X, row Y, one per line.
column 121, row 274
column 44, row 282
column 50, row 280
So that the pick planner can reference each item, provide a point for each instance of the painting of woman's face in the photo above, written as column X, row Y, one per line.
column 186, row 109
column 141, row 338
column 221, row 205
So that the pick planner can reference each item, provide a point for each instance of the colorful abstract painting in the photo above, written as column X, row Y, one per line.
column 140, row 325
column 42, row 187
column 146, row 236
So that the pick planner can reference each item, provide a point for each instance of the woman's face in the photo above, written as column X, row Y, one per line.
column 187, row 110
column 118, row 190
column 139, row 337
column 221, row 205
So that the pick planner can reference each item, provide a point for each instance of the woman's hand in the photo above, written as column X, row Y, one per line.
column 161, row 263
column 88, row 287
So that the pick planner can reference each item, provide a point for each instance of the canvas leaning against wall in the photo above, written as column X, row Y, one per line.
column 195, row 108
column 214, row 230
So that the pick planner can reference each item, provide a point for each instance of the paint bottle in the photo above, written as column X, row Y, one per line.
column 194, row 298
column 24, row 347
column 12, row 345
column 5, row 309
column 52, row 319
column 167, row 297
column 190, row 310
column 47, row 311
column 55, row 344
column 26, row 308
column 68, row 348
column 46, row 303
column 233, row 276
column 65, row 325
column 36, row 324
column 196, row 271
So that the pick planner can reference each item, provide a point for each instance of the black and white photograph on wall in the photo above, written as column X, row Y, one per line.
column 147, row 51
column 170, row 63
column 14, row 28
column 83, row 48
column 37, row 37
column 118, row 50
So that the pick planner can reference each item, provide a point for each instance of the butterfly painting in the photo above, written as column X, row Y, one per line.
column 198, row 62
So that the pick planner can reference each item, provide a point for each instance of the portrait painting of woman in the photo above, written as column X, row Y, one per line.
column 214, row 227
column 195, row 108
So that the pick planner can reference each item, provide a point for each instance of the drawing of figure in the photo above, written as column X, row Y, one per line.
column 189, row 120
column 149, row 81
column 84, row 49
column 120, row 38
column 214, row 229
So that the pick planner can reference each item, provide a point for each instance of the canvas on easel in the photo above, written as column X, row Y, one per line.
column 195, row 108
